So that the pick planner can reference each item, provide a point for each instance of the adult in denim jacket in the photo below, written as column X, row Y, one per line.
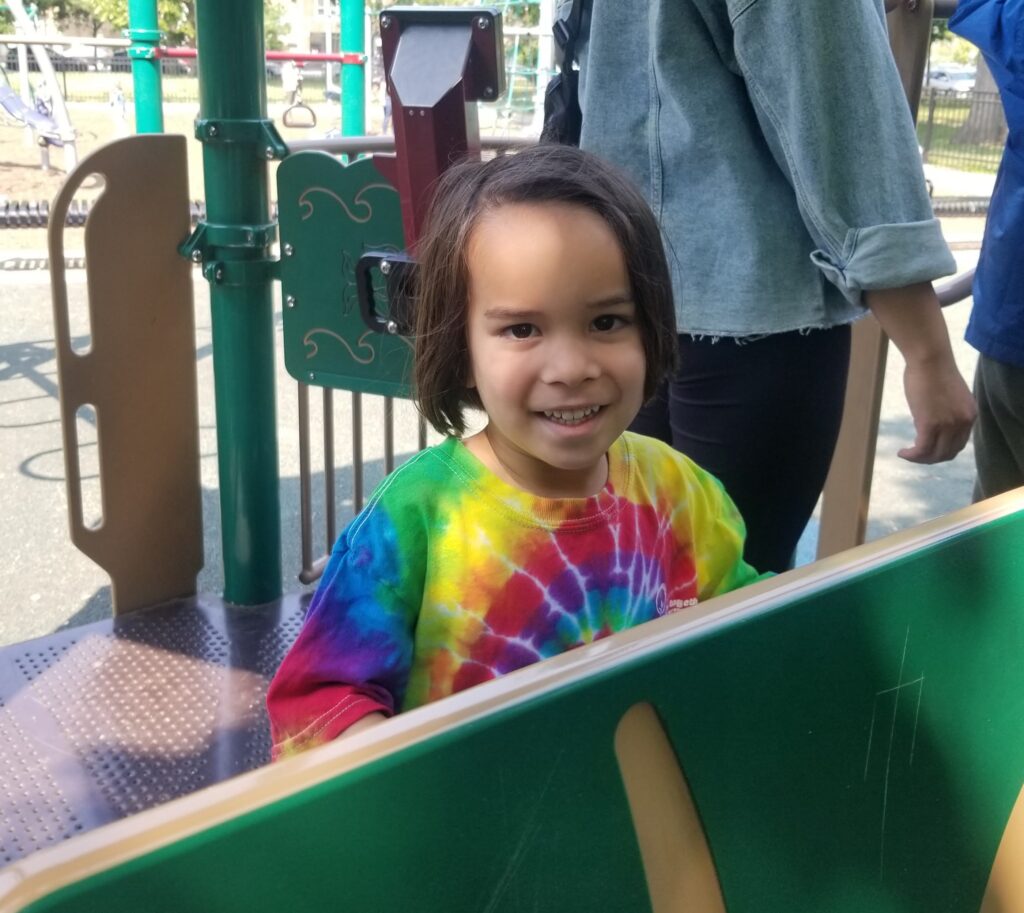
column 996, row 328
column 775, row 145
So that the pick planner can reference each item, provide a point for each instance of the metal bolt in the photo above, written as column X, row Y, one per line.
column 385, row 266
column 197, row 256
column 312, row 376
column 488, row 91
column 249, row 237
column 288, row 250
column 289, row 301
column 269, row 152
column 423, row 112
column 483, row 23
column 212, row 130
column 385, row 22
column 392, row 328
column 218, row 273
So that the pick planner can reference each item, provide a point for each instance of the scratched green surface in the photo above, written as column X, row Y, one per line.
column 329, row 215
column 859, row 749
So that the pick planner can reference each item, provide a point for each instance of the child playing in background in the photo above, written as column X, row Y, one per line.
column 543, row 299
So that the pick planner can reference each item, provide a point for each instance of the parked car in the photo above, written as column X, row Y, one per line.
column 120, row 62
column 80, row 57
column 62, row 58
column 950, row 80
column 12, row 60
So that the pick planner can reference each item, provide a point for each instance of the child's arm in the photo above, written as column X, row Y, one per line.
column 353, row 654
column 361, row 725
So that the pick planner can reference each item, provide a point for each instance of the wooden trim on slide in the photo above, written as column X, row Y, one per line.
column 1005, row 891
column 680, row 872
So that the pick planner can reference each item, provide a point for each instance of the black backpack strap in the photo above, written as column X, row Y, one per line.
column 566, row 30
column 563, row 119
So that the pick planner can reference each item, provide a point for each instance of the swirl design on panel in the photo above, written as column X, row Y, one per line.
column 313, row 347
column 365, row 212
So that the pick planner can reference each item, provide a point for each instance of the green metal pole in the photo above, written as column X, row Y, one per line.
column 144, row 31
column 353, row 75
column 232, row 105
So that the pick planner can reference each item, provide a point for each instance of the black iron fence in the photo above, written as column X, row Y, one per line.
column 965, row 131
column 86, row 80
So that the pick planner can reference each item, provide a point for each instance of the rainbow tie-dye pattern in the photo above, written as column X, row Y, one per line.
column 450, row 577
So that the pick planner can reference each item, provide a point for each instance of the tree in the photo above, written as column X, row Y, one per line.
column 986, row 121
column 184, row 32
column 177, row 18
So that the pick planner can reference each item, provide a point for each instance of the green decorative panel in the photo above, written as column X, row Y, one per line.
column 330, row 214
column 858, row 749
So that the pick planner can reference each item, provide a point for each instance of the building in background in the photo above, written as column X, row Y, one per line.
column 313, row 25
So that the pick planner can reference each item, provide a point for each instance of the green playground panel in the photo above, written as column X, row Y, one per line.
column 329, row 215
column 857, row 751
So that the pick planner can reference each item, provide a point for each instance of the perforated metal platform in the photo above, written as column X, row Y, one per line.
column 105, row 720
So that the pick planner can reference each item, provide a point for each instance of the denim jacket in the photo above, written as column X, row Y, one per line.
column 774, row 143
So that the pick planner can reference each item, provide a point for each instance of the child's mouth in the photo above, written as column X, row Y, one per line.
column 571, row 416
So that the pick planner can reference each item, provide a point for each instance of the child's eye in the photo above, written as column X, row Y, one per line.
column 607, row 322
column 520, row 330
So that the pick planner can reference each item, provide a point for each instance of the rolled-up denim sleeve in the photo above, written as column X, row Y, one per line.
column 829, row 102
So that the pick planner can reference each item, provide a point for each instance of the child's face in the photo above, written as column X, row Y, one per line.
column 555, row 351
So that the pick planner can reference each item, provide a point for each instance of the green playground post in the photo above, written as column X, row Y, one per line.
column 233, row 245
column 144, row 31
column 353, row 75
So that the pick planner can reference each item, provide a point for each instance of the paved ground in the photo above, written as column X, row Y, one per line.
column 46, row 584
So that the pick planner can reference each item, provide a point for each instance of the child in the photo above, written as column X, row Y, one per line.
column 544, row 300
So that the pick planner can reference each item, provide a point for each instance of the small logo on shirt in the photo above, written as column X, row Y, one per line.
column 667, row 606
column 676, row 605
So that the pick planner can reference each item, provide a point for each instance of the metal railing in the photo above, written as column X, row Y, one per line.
column 962, row 130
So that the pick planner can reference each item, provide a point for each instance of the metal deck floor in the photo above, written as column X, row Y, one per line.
column 105, row 720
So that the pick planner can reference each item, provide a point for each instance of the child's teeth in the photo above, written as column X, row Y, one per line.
column 571, row 415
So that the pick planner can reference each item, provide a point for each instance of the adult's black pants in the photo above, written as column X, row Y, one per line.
column 763, row 416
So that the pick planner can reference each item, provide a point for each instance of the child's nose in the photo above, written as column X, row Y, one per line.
column 569, row 362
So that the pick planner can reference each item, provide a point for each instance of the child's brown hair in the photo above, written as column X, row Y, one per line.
column 539, row 174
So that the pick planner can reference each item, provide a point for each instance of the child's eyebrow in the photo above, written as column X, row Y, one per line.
column 611, row 301
column 525, row 314
column 500, row 313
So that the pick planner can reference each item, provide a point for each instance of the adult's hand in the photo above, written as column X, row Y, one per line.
column 940, row 402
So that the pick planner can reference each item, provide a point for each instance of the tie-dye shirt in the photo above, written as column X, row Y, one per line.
column 450, row 576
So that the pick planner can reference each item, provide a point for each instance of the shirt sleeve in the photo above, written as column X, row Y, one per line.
column 354, row 652
column 828, row 100
column 996, row 27
column 718, row 535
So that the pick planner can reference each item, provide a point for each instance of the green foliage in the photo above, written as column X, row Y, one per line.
column 950, row 48
column 177, row 18
column 514, row 12
column 274, row 26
